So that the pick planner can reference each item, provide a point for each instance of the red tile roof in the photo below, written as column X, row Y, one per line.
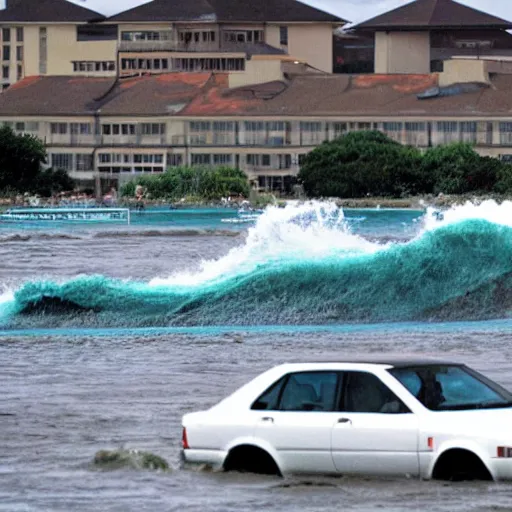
column 207, row 95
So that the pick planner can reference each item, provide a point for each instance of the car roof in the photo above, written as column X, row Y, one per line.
column 395, row 362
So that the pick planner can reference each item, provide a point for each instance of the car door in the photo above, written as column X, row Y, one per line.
column 297, row 420
column 375, row 433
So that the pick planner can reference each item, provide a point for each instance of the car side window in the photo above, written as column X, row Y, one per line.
column 269, row 400
column 365, row 392
column 309, row 391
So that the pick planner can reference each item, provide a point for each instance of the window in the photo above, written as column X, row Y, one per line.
column 365, row 392
column 6, row 34
column 447, row 131
column 505, row 134
column 105, row 129
column 283, row 35
column 6, row 53
column 153, row 128
column 80, row 128
column 62, row 161
column 105, row 158
column 19, row 72
column 392, row 127
column 258, row 160
column 31, row 126
column 84, row 162
column 468, row 131
column 222, row 159
column 19, row 53
column 307, row 391
column 19, row 34
column 270, row 399
column 128, row 129
column 452, row 388
column 311, row 133
column 20, row 126
column 5, row 72
column 174, row 160
column 94, row 66
column 58, row 128
column 200, row 159
column 340, row 129
column 146, row 35
column 95, row 32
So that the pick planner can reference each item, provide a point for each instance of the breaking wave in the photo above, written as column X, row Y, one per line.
column 302, row 265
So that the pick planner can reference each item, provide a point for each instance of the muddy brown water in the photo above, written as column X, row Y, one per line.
column 64, row 397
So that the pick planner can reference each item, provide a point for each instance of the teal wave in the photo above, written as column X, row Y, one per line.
column 460, row 271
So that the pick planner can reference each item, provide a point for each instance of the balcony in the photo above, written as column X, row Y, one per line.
column 168, row 45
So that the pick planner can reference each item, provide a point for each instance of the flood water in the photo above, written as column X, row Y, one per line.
column 71, row 387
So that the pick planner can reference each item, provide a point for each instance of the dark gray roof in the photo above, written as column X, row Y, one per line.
column 251, row 48
column 47, row 11
column 226, row 11
column 433, row 14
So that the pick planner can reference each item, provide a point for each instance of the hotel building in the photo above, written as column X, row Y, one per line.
column 241, row 86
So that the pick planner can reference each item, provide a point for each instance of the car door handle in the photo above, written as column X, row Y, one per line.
column 267, row 419
column 345, row 420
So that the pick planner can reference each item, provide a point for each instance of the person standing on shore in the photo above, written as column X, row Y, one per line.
column 139, row 198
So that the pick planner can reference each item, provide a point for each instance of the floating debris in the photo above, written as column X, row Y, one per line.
column 134, row 459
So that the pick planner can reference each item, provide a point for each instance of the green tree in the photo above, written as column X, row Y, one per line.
column 51, row 181
column 362, row 163
column 21, row 157
column 457, row 169
column 204, row 182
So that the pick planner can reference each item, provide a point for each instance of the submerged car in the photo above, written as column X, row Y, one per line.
column 422, row 419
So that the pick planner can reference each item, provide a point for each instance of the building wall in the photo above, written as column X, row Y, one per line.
column 62, row 49
column 313, row 43
column 257, row 71
column 464, row 71
column 402, row 52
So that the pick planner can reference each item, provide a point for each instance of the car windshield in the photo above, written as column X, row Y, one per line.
column 452, row 388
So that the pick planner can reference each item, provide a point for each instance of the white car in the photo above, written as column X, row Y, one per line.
column 422, row 419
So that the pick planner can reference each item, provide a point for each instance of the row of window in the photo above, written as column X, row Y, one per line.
column 273, row 130
column 243, row 36
column 127, row 158
column 133, row 129
column 6, row 34
column 84, row 162
column 146, row 35
column 93, row 65
column 138, row 169
column 183, row 64
column 70, row 161
column 6, row 72
column 6, row 53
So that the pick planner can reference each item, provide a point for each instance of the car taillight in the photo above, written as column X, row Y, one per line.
column 504, row 452
column 184, row 439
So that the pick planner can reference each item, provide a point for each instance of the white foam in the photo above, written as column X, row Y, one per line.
column 488, row 210
column 298, row 232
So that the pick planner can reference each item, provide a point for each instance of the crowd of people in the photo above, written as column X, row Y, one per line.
column 75, row 198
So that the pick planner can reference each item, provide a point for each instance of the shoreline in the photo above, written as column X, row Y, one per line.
column 407, row 203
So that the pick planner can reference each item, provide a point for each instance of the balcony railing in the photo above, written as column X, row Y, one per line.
column 168, row 45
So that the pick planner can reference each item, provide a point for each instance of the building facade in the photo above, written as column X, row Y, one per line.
column 59, row 38
column 144, row 91
column 118, row 129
